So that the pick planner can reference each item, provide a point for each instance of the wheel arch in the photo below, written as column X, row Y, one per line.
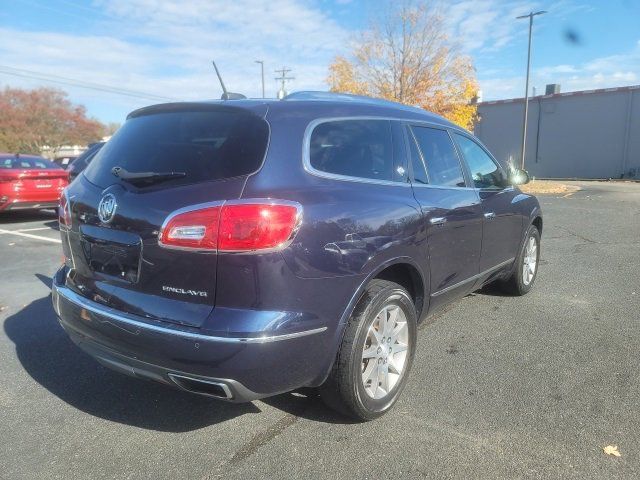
column 402, row 270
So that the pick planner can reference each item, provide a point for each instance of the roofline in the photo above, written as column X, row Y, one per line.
column 564, row 94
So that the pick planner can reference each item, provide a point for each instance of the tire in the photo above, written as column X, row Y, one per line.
column 345, row 389
column 520, row 283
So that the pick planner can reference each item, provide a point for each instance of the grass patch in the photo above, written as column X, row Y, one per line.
column 548, row 186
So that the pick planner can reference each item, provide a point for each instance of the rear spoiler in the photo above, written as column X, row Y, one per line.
column 239, row 106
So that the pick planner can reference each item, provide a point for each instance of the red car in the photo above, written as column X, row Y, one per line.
column 30, row 182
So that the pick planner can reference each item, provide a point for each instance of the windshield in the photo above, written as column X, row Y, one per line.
column 205, row 146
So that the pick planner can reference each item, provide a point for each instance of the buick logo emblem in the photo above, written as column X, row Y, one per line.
column 107, row 208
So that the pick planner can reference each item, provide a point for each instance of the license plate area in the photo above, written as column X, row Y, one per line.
column 112, row 254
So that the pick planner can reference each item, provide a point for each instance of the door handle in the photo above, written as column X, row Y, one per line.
column 438, row 221
column 490, row 215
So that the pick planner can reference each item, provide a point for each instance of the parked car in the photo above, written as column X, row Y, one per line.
column 83, row 160
column 29, row 182
column 64, row 162
column 245, row 248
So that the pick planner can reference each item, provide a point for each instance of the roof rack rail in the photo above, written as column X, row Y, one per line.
column 345, row 97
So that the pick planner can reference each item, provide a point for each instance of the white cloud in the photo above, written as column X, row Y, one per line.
column 486, row 24
column 605, row 72
column 165, row 48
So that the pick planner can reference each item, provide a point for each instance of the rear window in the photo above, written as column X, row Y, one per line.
column 27, row 163
column 204, row 145
column 353, row 148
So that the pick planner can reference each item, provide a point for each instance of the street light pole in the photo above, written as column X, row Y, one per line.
column 261, row 62
column 526, row 88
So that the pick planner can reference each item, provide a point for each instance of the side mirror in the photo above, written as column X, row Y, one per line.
column 519, row 177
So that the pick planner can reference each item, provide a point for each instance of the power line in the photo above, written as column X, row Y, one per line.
column 80, row 83
column 283, row 79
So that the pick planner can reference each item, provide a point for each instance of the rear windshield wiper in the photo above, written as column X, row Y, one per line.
column 145, row 178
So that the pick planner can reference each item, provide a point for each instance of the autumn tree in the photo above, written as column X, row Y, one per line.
column 111, row 128
column 406, row 56
column 44, row 117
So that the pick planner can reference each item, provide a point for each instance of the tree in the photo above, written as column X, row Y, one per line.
column 406, row 56
column 111, row 128
column 44, row 117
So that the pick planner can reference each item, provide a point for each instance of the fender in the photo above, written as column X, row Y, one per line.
column 536, row 211
column 339, row 331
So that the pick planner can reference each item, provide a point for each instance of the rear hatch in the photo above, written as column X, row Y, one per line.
column 40, row 184
column 33, row 178
column 204, row 154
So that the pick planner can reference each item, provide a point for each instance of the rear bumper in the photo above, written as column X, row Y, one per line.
column 232, row 368
column 8, row 204
column 11, row 199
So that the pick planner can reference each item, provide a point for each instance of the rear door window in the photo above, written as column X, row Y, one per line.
column 204, row 145
column 353, row 148
column 440, row 157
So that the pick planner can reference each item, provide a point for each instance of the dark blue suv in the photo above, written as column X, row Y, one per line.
column 244, row 248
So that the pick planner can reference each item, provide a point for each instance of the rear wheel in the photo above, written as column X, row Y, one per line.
column 526, row 265
column 376, row 353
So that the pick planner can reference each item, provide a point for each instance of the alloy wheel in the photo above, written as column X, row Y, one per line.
column 530, row 261
column 384, row 355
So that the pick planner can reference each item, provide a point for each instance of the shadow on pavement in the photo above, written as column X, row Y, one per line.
column 22, row 216
column 49, row 356
column 51, row 359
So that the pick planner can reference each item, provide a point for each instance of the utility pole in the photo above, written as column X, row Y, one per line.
column 526, row 88
column 261, row 62
column 283, row 79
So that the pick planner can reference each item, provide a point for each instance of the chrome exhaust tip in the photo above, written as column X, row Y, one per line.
column 210, row 388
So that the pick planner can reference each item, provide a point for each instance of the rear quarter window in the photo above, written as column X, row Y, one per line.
column 353, row 148
column 204, row 145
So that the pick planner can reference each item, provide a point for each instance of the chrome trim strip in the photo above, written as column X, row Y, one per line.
column 306, row 151
column 130, row 320
column 473, row 278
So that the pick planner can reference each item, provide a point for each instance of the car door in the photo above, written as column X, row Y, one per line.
column 502, row 224
column 451, row 212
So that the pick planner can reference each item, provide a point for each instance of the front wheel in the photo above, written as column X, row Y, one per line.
column 376, row 353
column 526, row 265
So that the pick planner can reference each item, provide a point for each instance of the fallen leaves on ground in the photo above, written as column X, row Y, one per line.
column 548, row 186
column 612, row 450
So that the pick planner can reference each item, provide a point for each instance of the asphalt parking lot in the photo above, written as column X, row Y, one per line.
column 502, row 387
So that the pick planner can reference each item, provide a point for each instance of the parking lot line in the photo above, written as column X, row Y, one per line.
column 29, row 235
column 32, row 229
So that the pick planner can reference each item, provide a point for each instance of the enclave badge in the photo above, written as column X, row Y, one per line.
column 107, row 208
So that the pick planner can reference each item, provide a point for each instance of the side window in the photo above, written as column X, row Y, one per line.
column 439, row 154
column 419, row 172
column 484, row 171
column 355, row 148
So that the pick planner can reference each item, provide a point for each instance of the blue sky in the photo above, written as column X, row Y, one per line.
column 163, row 48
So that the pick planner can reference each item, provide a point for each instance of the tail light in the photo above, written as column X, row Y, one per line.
column 64, row 211
column 233, row 227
